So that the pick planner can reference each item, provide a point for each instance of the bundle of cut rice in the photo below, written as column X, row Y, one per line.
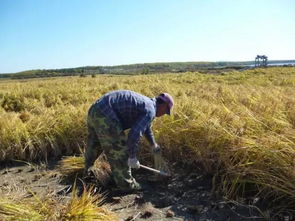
column 74, row 166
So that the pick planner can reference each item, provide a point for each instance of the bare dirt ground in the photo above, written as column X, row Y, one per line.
column 184, row 196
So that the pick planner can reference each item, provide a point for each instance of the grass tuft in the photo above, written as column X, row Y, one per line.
column 71, row 167
column 86, row 207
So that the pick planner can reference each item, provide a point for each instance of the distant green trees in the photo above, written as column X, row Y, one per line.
column 145, row 68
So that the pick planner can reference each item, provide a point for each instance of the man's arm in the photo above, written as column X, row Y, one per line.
column 137, row 130
column 149, row 135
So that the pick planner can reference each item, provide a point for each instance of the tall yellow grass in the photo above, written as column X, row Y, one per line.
column 238, row 126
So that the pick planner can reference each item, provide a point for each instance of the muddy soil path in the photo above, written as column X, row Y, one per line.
column 184, row 196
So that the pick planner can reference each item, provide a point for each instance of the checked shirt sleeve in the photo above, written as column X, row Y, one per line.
column 136, row 132
column 149, row 135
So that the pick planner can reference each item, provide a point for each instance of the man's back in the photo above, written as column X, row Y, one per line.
column 126, row 107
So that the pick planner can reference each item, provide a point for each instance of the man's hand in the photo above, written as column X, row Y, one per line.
column 133, row 163
column 156, row 148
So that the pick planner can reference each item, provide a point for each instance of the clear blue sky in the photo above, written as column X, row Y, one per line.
column 43, row 34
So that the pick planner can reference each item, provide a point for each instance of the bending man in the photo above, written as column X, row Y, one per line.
column 107, row 119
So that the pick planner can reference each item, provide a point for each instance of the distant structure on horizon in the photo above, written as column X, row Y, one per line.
column 261, row 61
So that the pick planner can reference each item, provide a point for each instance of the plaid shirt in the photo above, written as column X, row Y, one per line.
column 132, row 111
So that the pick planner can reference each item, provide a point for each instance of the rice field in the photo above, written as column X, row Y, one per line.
column 237, row 126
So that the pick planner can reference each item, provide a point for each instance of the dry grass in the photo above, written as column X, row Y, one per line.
column 239, row 126
column 10, row 210
column 71, row 167
column 87, row 207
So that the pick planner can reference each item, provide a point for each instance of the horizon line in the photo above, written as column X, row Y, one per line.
column 158, row 62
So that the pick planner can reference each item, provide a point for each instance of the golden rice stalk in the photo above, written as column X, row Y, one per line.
column 35, row 208
column 86, row 207
column 14, row 211
column 72, row 166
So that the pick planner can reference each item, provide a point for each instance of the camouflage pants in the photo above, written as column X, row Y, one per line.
column 107, row 135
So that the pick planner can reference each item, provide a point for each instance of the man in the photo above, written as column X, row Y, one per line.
column 107, row 119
